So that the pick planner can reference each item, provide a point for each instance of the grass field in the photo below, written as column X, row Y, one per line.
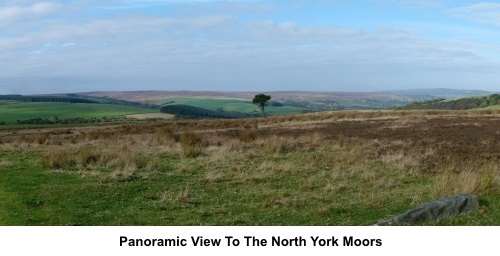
column 492, row 107
column 331, row 168
column 230, row 105
column 151, row 116
column 10, row 111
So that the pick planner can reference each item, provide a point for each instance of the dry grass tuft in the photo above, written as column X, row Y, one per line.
column 88, row 155
column 127, row 173
column 57, row 159
column 43, row 138
column 213, row 177
column 183, row 197
column 192, row 145
column 248, row 136
column 401, row 160
column 341, row 140
column 125, row 159
column 277, row 145
column 5, row 163
column 484, row 181
column 165, row 136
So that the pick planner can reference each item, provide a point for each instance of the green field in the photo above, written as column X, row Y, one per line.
column 11, row 111
column 488, row 108
column 492, row 107
column 230, row 105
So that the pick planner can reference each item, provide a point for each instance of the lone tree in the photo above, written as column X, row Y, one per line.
column 261, row 100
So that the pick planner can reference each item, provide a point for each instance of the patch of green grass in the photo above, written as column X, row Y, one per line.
column 11, row 112
column 33, row 195
column 179, row 193
column 9, row 102
column 230, row 105
column 492, row 107
column 203, row 102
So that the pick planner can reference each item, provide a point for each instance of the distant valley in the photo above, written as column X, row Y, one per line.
column 105, row 107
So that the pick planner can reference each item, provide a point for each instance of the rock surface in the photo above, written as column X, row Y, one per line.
column 435, row 210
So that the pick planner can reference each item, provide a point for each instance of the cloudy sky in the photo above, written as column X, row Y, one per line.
column 248, row 45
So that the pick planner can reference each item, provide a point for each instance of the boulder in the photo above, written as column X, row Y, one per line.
column 435, row 210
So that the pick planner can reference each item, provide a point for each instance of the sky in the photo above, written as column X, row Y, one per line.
column 63, row 46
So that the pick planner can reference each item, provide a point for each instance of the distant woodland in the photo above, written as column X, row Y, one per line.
column 456, row 104
column 73, row 98
column 187, row 111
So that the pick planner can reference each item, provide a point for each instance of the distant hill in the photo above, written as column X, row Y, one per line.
column 67, row 109
column 75, row 98
column 291, row 101
column 440, row 92
column 19, row 112
column 457, row 104
column 305, row 100
column 155, row 96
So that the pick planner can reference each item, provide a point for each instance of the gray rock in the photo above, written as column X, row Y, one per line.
column 435, row 210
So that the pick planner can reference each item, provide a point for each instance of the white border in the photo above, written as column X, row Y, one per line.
column 106, row 240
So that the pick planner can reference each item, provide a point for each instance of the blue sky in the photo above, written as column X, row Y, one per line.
column 248, row 45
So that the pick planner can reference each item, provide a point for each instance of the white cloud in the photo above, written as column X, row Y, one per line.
column 10, row 14
column 484, row 12
column 201, row 49
column 226, row 54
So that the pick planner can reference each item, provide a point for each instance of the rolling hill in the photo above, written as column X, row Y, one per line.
column 476, row 102
column 15, row 112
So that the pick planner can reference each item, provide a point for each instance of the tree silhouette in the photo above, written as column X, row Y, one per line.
column 261, row 100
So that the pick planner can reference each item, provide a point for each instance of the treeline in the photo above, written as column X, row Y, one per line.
column 46, row 99
column 187, row 111
column 54, row 99
column 56, row 120
column 74, row 98
column 113, row 101
column 457, row 104
column 327, row 105
column 10, row 97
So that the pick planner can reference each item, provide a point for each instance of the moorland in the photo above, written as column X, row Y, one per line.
column 325, row 168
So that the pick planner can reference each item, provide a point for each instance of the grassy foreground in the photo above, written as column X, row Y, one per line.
column 333, row 168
